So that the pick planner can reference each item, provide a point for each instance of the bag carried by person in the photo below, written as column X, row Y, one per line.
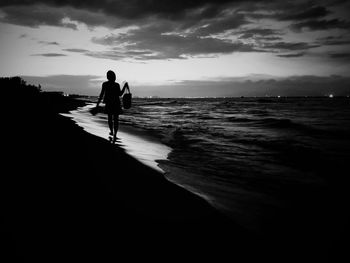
column 127, row 99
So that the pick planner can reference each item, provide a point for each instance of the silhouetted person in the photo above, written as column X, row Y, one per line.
column 110, row 94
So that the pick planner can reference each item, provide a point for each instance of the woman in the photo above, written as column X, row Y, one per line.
column 110, row 94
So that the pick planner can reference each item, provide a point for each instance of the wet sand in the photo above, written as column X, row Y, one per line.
column 145, row 148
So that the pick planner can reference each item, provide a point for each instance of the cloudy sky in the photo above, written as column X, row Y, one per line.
column 179, row 48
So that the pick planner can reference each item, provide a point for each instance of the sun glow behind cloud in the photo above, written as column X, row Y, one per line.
column 170, row 44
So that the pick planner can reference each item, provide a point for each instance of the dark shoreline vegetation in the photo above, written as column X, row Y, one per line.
column 68, row 194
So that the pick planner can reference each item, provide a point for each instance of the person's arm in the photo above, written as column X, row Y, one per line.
column 126, row 86
column 101, row 95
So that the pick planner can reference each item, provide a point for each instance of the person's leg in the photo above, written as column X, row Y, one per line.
column 110, row 123
column 116, row 124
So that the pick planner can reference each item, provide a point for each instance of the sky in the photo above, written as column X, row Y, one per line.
column 180, row 48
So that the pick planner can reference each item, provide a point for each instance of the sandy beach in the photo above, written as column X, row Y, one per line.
column 68, row 194
column 65, row 194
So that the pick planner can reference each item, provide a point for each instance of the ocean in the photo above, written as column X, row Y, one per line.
column 254, row 159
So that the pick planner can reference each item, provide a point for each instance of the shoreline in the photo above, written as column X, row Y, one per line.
column 66, row 191
column 139, row 144
column 63, row 194
column 135, row 142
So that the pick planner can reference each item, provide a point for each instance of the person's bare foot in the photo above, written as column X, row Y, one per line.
column 115, row 138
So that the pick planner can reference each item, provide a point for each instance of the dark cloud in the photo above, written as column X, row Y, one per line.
column 280, row 46
column 221, row 24
column 35, row 16
column 175, row 47
column 200, row 17
column 259, row 33
column 333, row 41
column 180, row 29
column 291, row 55
column 341, row 56
column 50, row 55
column 286, row 10
column 49, row 43
column 124, row 55
column 76, row 50
column 310, row 13
column 321, row 24
column 220, row 15
column 303, row 15
column 217, row 13
column 134, row 8
column 147, row 43
column 97, row 18
column 272, row 38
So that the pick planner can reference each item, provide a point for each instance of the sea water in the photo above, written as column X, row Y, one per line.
column 249, row 157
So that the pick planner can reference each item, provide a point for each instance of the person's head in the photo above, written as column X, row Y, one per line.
column 111, row 75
